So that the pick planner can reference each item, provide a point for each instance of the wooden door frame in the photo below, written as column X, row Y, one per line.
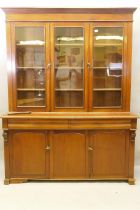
column 85, row 78
column 11, row 56
column 126, row 75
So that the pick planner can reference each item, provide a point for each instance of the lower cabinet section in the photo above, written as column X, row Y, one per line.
column 68, row 155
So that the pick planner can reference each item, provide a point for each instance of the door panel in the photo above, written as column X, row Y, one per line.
column 68, row 155
column 108, row 152
column 69, row 69
column 31, row 85
column 106, row 66
column 27, row 154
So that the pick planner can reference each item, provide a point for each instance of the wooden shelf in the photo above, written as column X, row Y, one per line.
column 106, row 67
column 107, row 89
column 107, row 107
column 107, row 77
column 30, row 89
column 35, row 67
column 69, row 67
column 30, row 45
column 107, row 45
column 68, row 44
column 69, row 90
column 69, row 107
column 29, row 100
column 31, row 106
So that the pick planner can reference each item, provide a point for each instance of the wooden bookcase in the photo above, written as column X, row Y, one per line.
column 69, row 79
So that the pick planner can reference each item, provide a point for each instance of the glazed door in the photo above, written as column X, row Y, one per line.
column 29, row 155
column 68, row 155
column 108, row 154
column 107, row 67
column 69, row 51
column 30, row 56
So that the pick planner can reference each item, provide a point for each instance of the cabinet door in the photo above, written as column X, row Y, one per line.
column 108, row 57
column 28, row 157
column 68, row 155
column 69, row 70
column 108, row 154
column 30, row 75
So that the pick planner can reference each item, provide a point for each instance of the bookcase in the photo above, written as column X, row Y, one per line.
column 69, row 82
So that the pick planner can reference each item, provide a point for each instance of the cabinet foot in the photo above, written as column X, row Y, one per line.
column 14, row 181
column 131, row 181
column 6, row 181
column 18, row 181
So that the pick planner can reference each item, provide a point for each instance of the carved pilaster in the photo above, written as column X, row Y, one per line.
column 5, row 136
column 132, row 135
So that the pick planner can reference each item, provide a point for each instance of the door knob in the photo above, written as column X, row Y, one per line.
column 49, row 66
column 90, row 149
column 89, row 66
column 47, row 147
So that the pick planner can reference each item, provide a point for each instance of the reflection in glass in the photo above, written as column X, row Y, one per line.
column 69, row 71
column 107, row 69
column 30, row 62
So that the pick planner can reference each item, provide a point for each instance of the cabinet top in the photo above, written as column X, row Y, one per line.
column 71, row 14
column 70, row 115
column 69, row 10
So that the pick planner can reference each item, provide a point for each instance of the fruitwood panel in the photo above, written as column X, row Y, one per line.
column 68, row 155
column 109, row 154
column 27, row 154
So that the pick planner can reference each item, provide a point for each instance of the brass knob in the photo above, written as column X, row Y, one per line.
column 90, row 149
column 88, row 65
column 47, row 147
column 49, row 66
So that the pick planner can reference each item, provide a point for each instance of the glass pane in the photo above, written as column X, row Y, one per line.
column 107, row 99
column 108, row 66
column 30, row 62
column 69, row 66
column 31, row 98
column 69, row 99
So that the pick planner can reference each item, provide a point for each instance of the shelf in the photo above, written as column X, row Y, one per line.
column 31, row 106
column 107, row 77
column 69, row 90
column 36, row 68
column 69, row 44
column 107, row 45
column 30, row 89
column 70, row 107
column 107, row 107
column 69, row 67
column 30, row 45
column 29, row 100
column 107, row 89
column 105, row 67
